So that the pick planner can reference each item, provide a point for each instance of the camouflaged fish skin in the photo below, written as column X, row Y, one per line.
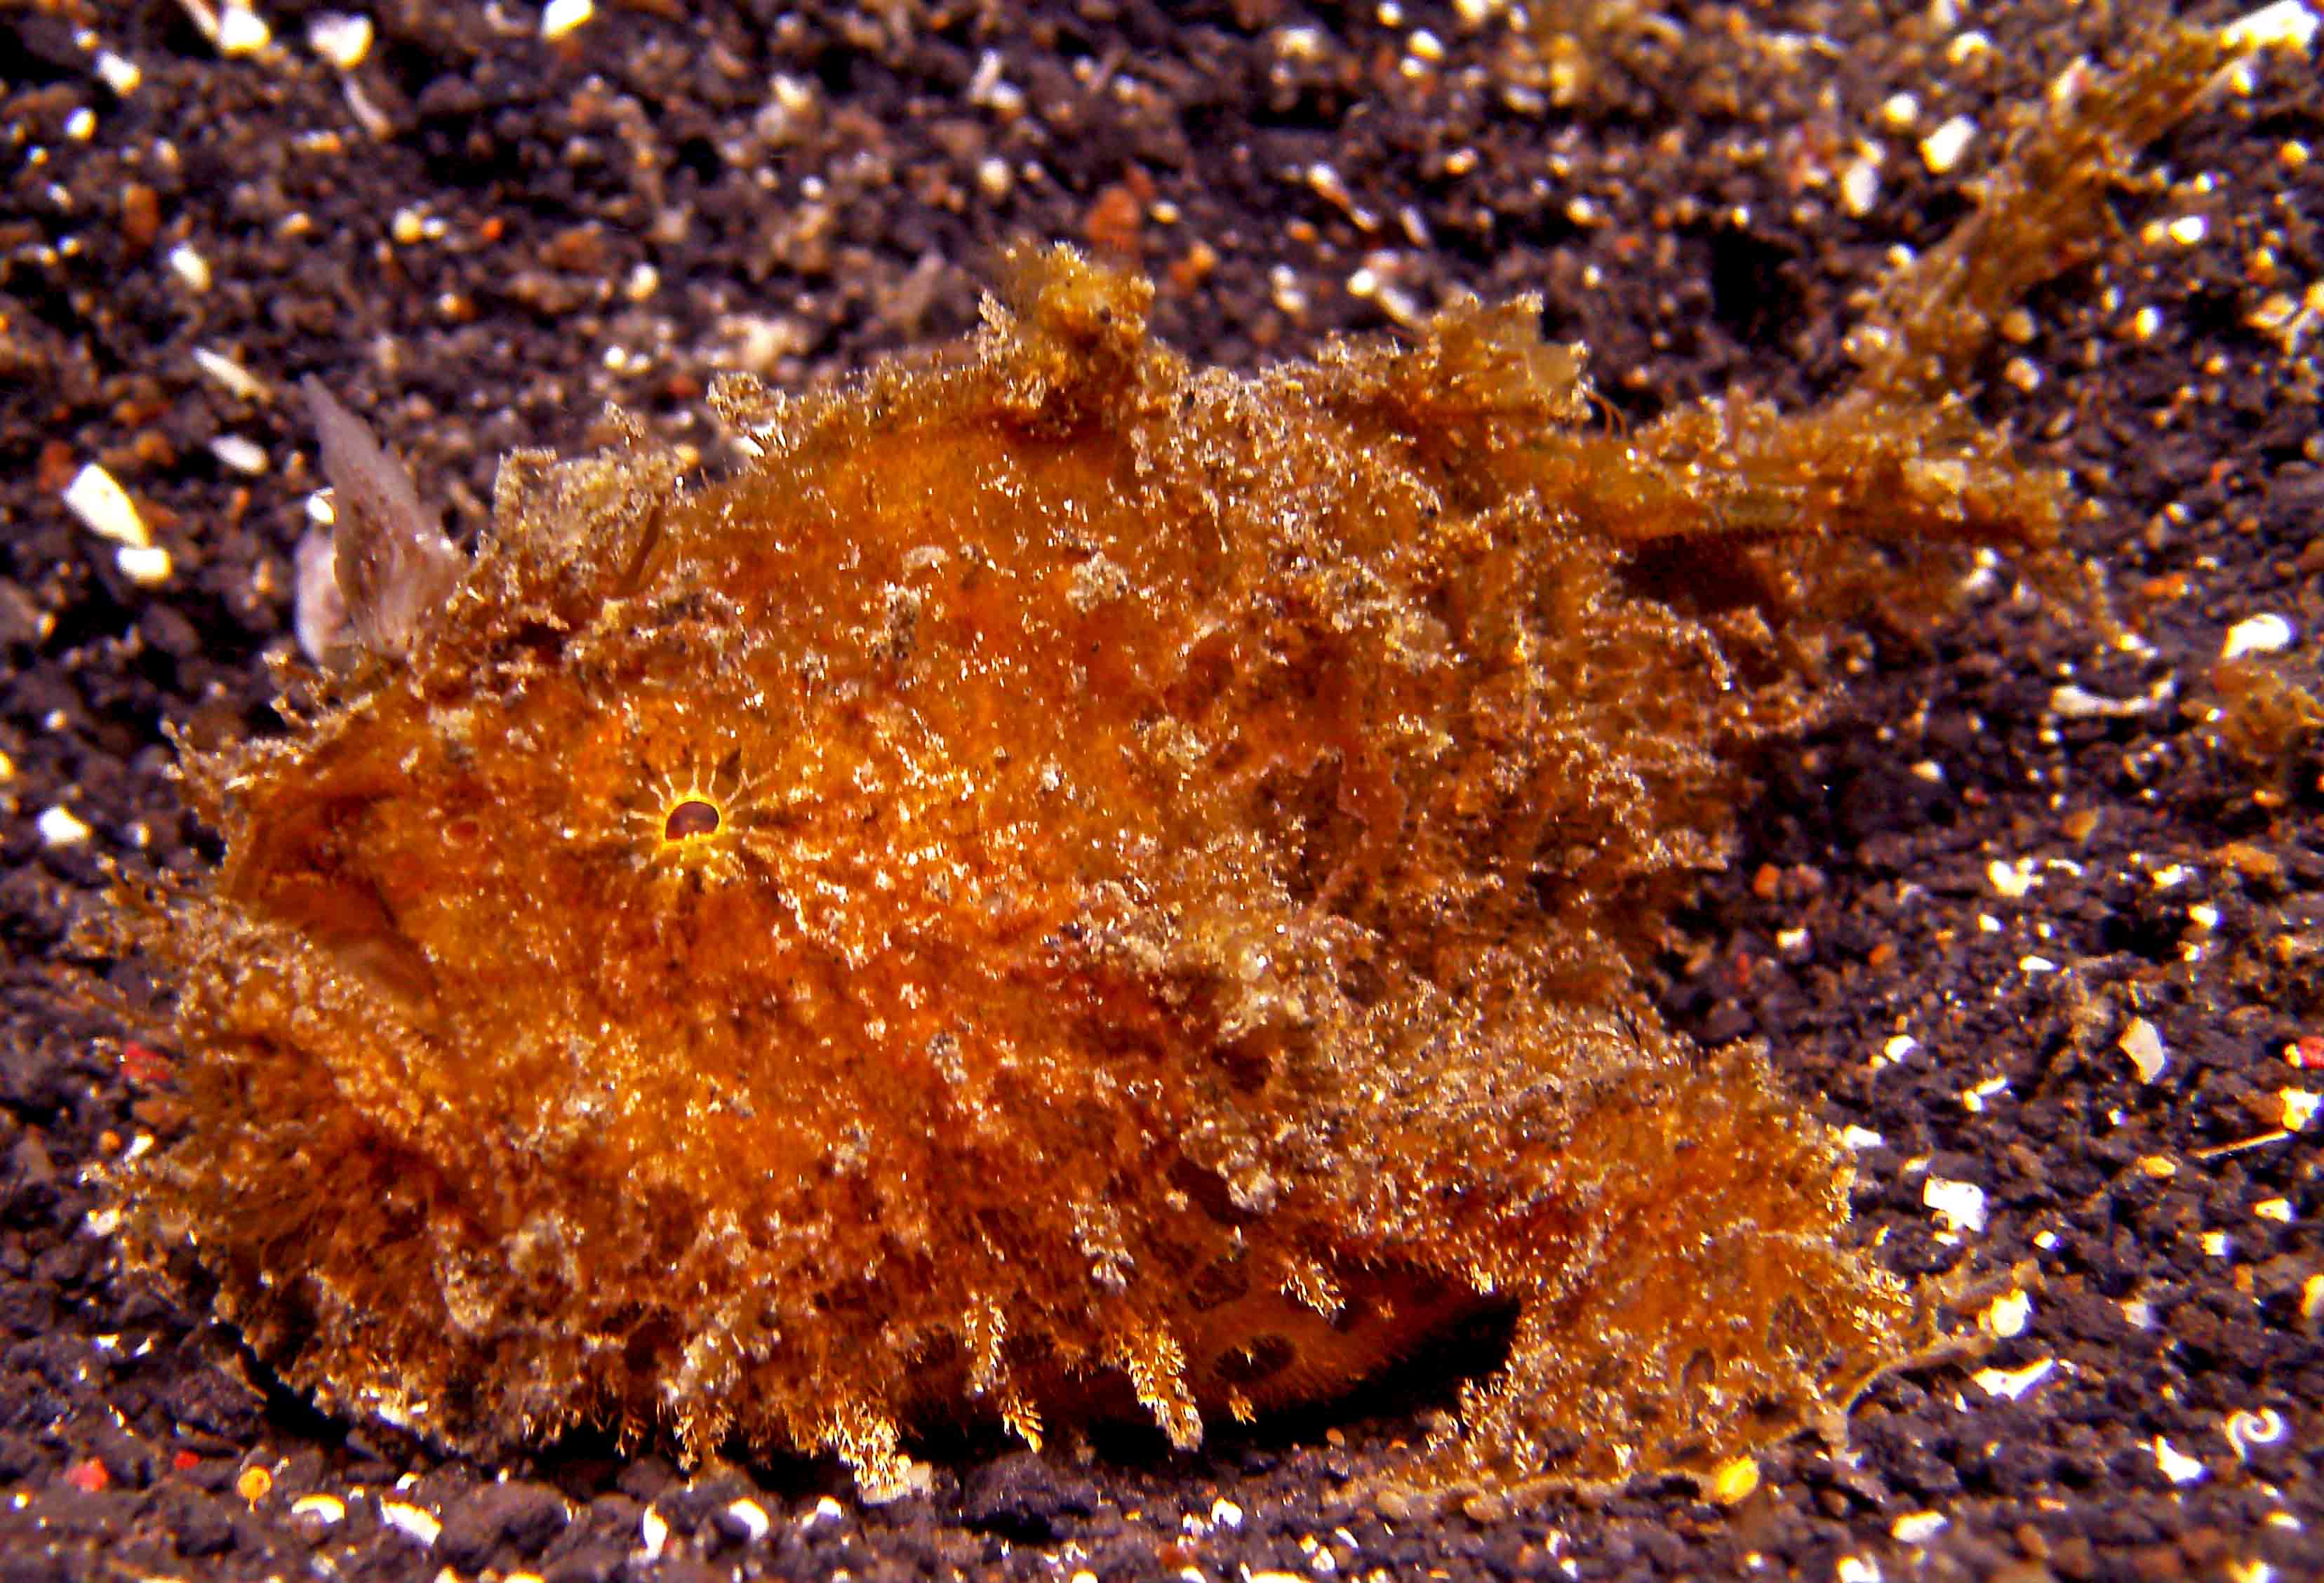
column 1072, row 885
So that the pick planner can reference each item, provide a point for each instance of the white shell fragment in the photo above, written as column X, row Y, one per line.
column 240, row 453
column 340, row 39
column 323, row 1508
column 61, row 827
column 2014, row 1383
column 2176, row 1465
column 2287, row 23
column 1960, row 1204
column 105, row 508
column 2007, row 1315
column 1918, row 1527
column 1860, row 186
column 192, row 270
column 118, row 73
column 416, row 1523
column 242, row 32
column 2260, row 634
column 560, row 17
column 2013, row 879
column 751, row 1517
column 231, row 376
column 2143, row 1045
column 147, row 565
column 1942, row 149
column 2081, row 703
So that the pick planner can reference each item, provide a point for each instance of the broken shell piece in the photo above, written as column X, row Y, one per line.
column 2143, row 1045
column 2259, row 634
column 1960, row 1204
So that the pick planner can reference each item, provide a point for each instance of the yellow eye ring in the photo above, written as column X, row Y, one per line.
column 692, row 821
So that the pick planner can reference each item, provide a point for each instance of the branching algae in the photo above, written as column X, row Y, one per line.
column 1075, row 884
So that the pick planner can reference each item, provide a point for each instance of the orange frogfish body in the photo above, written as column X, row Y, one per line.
column 1072, row 886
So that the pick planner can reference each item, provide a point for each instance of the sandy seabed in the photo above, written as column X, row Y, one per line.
column 1953, row 906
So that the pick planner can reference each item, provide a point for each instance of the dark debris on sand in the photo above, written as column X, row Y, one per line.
column 1969, row 916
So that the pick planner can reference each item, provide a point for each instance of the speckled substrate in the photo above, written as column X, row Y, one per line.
column 1970, row 917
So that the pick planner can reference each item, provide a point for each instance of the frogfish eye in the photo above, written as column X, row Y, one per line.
column 689, row 819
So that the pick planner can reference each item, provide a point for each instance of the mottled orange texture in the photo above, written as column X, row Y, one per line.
column 1075, row 884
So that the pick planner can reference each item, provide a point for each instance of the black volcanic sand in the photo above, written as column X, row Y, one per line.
column 478, row 238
